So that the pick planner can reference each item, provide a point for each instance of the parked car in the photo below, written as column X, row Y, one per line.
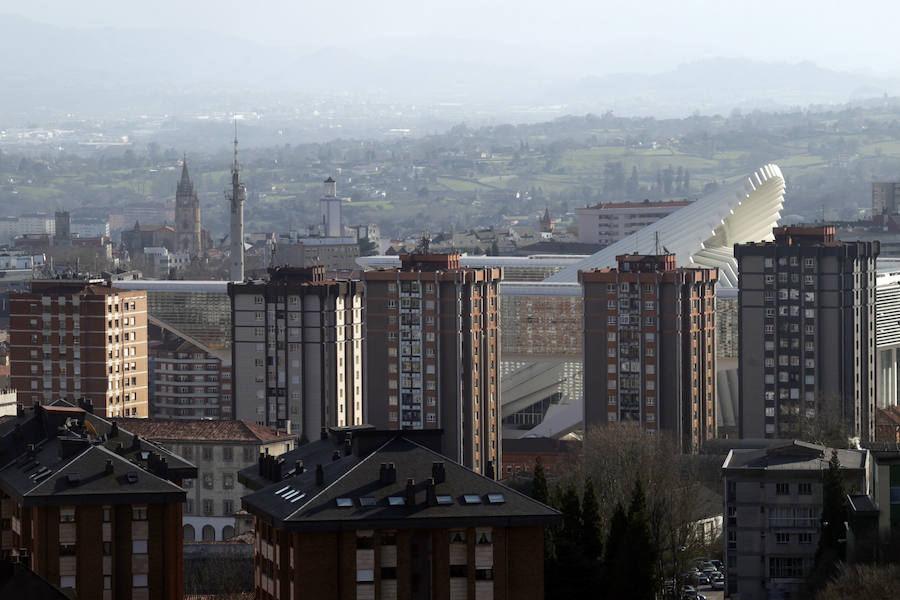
column 718, row 564
column 718, row 581
column 699, row 579
column 688, row 593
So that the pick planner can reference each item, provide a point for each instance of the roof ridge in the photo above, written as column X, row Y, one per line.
column 347, row 472
column 473, row 472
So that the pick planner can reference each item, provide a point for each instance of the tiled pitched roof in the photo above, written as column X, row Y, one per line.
column 56, row 454
column 298, row 503
column 208, row 431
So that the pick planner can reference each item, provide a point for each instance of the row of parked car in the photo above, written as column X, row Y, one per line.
column 705, row 572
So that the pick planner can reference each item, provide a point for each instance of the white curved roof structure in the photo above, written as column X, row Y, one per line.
column 705, row 232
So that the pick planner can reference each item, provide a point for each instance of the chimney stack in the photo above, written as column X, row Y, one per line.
column 388, row 473
column 410, row 492
column 438, row 472
column 430, row 493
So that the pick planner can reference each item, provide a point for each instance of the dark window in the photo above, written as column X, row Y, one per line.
column 389, row 572
column 365, row 542
column 459, row 571
column 804, row 489
column 782, row 489
column 389, row 539
column 107, row 548
column 484, row 574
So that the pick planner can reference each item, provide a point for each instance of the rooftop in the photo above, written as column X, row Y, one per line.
column 400, row 484
column 62, row 454
column 207, row 431
column 792, row 456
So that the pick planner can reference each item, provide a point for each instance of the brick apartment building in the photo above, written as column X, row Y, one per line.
column 297, row 355
column 649, row 347
column 520, row 455
column 80, row 339
column 433, row 354
column 187, row 379
column 382, row 515
column 90, row 506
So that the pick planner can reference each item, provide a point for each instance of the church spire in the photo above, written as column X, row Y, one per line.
column 185, row 187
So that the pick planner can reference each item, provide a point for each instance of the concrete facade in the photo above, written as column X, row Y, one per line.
column 773, row 507
column 297, row 355
column 807, row 333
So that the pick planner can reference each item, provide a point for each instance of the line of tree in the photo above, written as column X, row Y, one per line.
column 629, row 505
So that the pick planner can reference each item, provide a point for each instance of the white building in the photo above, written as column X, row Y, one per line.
column 89, row 227
column 608, row 223
column 164, row 261
column 36, row 224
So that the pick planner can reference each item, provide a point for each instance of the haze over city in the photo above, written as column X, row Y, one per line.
column 457, row 301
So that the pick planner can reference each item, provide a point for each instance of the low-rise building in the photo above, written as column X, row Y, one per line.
column 219, row 449
column 520, row 455
column 375, row 514
column 93, row 507
column 773, row 509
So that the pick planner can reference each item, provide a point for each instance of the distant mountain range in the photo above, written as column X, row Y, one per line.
column 126, row 72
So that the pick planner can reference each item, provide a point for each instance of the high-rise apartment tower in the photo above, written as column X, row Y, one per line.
column 649, row 347
column 807, row 333
column 80, row 339
column 433, row 354
column 297, row 351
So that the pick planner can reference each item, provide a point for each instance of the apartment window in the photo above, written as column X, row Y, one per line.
column 67, row 515
column 139, row 547
column 611, row 400
column 139, row 513
column 207, row 507
column 782, row 489
column 809, row 263
column 782, row 538
column 139, row 580
column 208, row 481
column 228, row 453
column 207, row 453
column 611, row 288
column 611, row 336
column 804, row 489
column 770, row 279
column 609, row 321
column 805, row 538
column 228, row 482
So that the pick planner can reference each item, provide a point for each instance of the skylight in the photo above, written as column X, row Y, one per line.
column 344, row 502
column 396, row 500
column 471, row 498
column 444, row 500
column 300, row 497
column 287, row 487
column 367, row 501
column 496, row 499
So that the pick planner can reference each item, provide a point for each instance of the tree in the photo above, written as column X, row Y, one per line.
column 539, row 482
column 614, row 582
column 590, row 522
column 637, row 557
column 881, row 582
column 833, row 534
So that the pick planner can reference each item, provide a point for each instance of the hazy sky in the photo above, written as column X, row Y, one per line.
column 648, row 35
